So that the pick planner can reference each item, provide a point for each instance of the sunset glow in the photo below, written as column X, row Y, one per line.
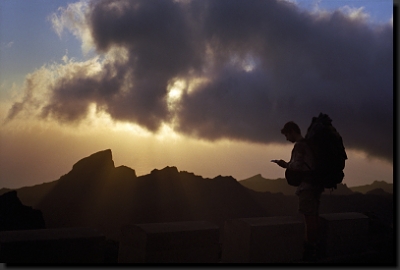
column 205, row 91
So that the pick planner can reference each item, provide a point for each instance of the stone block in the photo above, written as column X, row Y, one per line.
column 64, row 245
column 263, row 240
column 175, row 242
column 343, row 233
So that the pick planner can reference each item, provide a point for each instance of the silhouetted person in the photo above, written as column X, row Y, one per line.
column 309, row 193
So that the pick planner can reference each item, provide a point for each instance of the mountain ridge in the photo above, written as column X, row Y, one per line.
column 383, row 185
column 95, row 193
column 280, row 185
column 256, row 182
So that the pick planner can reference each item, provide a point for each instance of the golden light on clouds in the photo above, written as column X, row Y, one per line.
column 175, row 91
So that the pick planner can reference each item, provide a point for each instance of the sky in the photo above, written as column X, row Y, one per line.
column 202, row 85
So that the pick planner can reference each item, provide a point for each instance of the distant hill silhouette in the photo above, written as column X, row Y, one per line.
column 379, row 191
column 30, row 195
column 261, row 184
column 97, row 194
column 386, row 187
column 4, row 190
column 280, row 185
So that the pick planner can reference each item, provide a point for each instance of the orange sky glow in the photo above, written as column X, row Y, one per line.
column 37, row 152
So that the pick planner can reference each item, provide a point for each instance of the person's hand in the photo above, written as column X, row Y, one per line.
column 282, row 163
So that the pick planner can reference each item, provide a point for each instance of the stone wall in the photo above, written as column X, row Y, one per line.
column 263, row 240
column 246, row 240
column 65, row 245
column 343, row 234
column 176, row 242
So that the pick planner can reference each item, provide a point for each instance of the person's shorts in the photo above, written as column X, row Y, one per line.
column 309, row 201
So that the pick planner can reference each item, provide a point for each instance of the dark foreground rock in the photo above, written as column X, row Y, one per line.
column 16, row 216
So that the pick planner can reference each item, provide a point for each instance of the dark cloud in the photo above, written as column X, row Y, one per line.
column 335, row 65
column 265, row 62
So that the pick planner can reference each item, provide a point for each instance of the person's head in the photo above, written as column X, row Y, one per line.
column 291, row 131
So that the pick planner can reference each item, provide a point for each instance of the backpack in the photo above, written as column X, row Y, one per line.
column 327, row 146
column 295, row 178
column 329, row 152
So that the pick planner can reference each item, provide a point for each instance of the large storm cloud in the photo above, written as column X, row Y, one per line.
column 247, row 66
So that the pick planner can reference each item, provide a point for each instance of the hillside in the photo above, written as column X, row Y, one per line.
column 261, row 184
column 384, row 186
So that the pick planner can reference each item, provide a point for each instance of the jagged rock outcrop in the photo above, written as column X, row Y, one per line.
column 92, row 191
column 94, row 164
column 16, row 216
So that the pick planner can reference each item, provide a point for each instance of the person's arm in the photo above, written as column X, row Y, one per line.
column 282, row 163
column 297, row 161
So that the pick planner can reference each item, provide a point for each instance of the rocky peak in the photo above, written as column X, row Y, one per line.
column 102, row 159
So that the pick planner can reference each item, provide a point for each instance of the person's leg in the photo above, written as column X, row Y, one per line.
column 311, row 222
column 309, row 206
